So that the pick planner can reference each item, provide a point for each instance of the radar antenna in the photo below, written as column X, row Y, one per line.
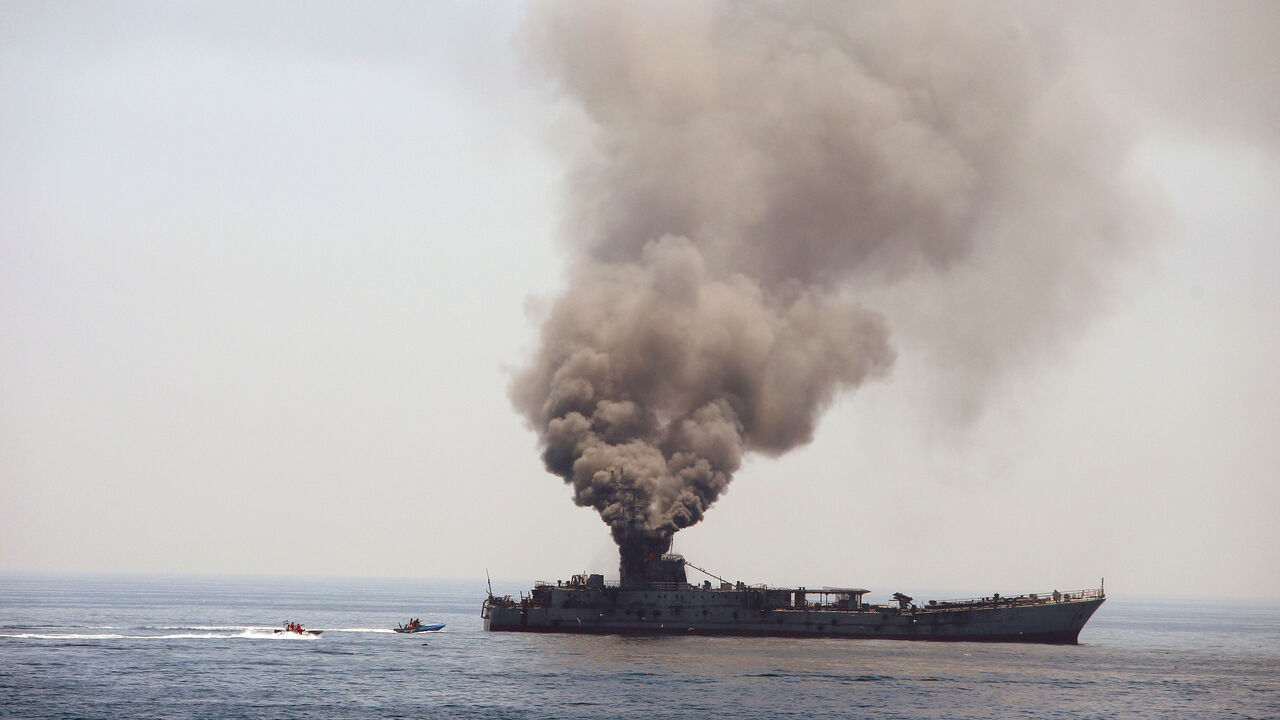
column 637, row 508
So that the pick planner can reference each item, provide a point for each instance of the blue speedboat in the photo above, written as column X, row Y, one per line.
column 416, row 626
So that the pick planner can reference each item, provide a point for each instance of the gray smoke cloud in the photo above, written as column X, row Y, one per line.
column 750, row 175
column 655, row 376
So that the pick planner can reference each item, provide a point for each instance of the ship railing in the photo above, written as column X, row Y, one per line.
column 1035, row 598
column 688, row 586
column 655, row 586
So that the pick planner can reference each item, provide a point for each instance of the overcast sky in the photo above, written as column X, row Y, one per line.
column 267, row 272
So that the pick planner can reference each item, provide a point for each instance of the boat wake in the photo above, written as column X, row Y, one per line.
column 57, row 627
column 166, row 632
column 224, row 628
column 222, row 633
column 112, row 636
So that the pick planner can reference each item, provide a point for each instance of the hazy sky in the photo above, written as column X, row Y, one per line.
column 267, row 273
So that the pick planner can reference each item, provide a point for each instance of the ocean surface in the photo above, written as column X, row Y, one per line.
column 183, row 647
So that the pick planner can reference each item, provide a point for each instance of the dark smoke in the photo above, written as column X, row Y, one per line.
column 655, row 377
column 747, row 170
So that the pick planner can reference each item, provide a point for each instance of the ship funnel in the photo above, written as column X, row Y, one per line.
column 644, row 559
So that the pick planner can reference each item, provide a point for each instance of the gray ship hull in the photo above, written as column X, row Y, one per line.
column 1063, row 625
column 689, row 610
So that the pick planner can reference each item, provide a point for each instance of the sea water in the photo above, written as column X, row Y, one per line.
column 184, row 647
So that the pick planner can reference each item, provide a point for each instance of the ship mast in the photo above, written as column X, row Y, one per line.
column 640, row 548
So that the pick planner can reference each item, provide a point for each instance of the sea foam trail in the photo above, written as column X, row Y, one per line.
column 111, row 636
column 58, row 627
column 64, row 636
column 187, row 632
column 264, row 634
column 224, row 628
column 264, row 628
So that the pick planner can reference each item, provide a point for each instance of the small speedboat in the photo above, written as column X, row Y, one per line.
column 416, row 626
column 296, row 629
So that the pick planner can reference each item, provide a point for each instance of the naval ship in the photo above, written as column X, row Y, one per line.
column 654, row 597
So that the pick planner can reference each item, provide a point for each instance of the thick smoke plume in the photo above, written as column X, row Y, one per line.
column 747, row 173
column 656, row 376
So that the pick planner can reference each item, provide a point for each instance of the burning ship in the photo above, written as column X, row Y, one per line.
column 726, row 226
column 654, row 597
